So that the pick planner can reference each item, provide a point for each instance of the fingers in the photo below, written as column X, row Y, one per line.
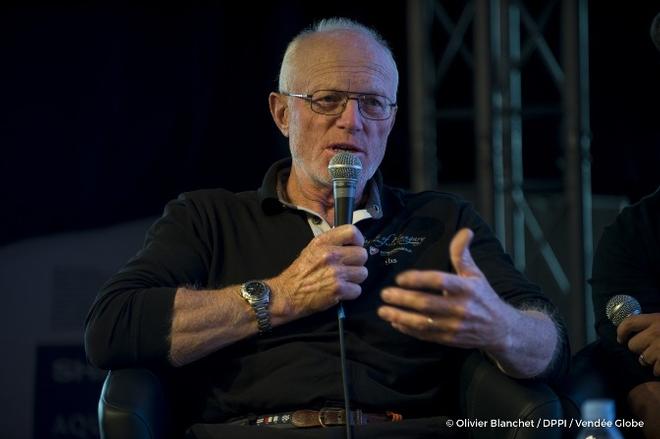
column 641, row 333
column 342, row 245
column 431, row 280
column 462, row 261
column 414, row 321
column 353, row 255
column 355, row 275
column 347, row 234
column 459, row 252
column 331, row 268
column 424, row 303
column 469, row 316
column 626, row 328
column 348, row 291
column 424, row 327
column 425, row 316
column 650, row 358
column 645, row 359
column 634, row 324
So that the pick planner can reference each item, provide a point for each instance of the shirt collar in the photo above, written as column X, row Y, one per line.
column 273, row 200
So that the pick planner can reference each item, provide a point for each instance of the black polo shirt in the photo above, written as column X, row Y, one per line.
column 213, row 238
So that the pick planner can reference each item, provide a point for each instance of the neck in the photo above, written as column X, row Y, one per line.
column 314, row 195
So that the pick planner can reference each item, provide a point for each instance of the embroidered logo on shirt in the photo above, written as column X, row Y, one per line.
column 388, row 245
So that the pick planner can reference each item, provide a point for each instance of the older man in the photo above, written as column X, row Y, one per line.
column 237, row 292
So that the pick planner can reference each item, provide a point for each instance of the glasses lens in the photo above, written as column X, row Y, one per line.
column 333, row 102
column 328, row 102
column 374, row 106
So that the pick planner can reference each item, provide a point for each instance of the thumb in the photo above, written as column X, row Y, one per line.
column 459, row 252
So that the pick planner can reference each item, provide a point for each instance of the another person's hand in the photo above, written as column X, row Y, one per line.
column 459, row 309
column 328, row 270
column 644, row 403
column 642, row 335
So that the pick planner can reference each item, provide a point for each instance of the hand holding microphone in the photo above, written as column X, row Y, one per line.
column 640, row 332
column 331, row 267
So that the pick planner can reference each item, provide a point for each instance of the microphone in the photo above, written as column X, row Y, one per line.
column 620, row 307
column 345, row 169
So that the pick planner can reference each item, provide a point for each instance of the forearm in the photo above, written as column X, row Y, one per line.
column 207, row 320
column 530, row 345
column 328, row 270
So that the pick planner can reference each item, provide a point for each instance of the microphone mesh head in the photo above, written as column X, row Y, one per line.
column 345, row 165
column 621, row 306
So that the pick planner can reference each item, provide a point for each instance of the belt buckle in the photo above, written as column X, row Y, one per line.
column 340, row 418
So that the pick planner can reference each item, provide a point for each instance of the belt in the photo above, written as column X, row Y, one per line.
column 326, row 417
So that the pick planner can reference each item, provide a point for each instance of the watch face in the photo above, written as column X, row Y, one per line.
column 255, row 289
column 257, row 294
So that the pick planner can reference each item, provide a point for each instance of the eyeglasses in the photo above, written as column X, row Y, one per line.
column 333, row 102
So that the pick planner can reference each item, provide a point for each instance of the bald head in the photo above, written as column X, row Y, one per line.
column 331, row 41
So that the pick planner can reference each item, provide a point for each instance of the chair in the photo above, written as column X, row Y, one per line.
column 134, row 403
column 591, row 377
column 488, row 394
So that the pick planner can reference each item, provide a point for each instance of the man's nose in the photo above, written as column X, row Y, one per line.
column 351, row 118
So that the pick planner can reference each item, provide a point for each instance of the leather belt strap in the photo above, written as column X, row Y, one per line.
column 325, row 417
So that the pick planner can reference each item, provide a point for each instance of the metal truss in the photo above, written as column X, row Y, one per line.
column 505, row 35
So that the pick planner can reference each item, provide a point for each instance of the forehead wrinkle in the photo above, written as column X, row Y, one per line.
column 324, row 68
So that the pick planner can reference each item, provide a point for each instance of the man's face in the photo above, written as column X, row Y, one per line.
column 345, row 61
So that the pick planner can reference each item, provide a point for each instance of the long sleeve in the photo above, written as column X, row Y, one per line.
column 130, row 320
column 627, row 261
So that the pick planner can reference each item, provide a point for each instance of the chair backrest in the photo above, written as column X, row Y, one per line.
column 487, row 393
column 589, row 378
column 133, row 404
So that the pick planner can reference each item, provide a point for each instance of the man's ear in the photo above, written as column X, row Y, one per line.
column 280, row 111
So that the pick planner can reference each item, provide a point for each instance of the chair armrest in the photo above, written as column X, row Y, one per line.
column 587, row 379
column 133, row 405
column 488, row 394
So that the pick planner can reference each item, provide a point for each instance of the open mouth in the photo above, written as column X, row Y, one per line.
column 344, row 147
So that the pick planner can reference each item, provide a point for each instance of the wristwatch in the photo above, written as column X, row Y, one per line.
column 257, row 294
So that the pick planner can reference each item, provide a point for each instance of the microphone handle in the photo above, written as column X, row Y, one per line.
column 344, row 194
column 343, row 211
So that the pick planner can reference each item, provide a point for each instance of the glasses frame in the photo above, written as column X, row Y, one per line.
column 347, row 96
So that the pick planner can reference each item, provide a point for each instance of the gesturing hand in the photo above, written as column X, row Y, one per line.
column 461, row 310
column 328, row 270
column 642, row 334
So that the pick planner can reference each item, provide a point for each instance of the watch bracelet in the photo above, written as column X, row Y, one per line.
column 263, row 318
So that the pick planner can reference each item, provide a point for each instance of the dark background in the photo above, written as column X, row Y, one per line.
column 108, row 111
